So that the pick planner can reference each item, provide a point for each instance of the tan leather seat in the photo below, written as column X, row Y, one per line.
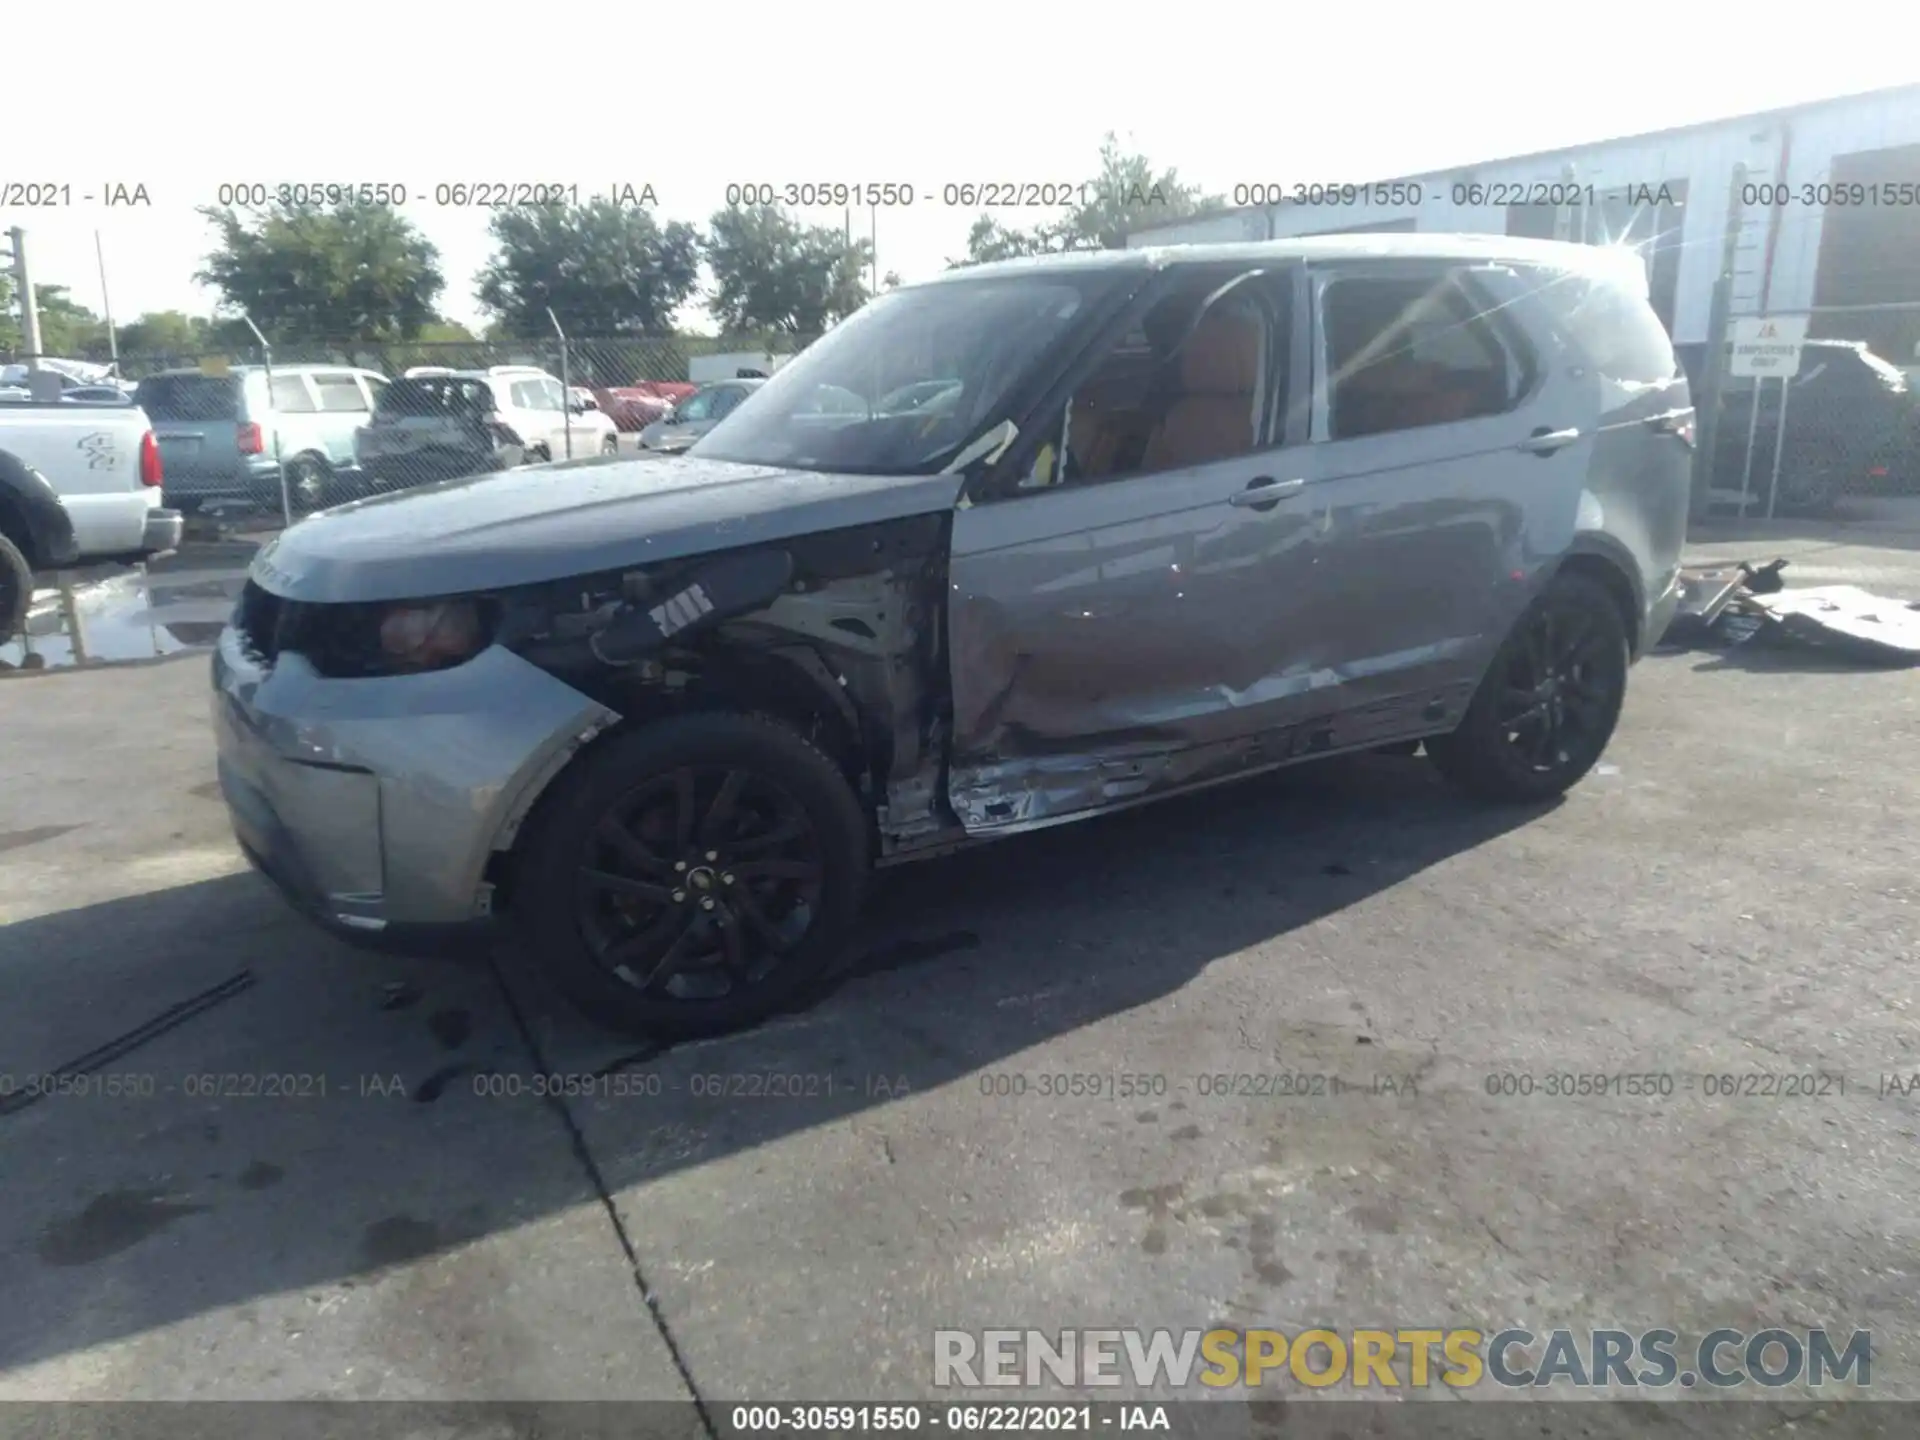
column 1219, row 374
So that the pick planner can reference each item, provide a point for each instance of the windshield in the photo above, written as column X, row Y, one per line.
column 901, row 386
column 190, row 397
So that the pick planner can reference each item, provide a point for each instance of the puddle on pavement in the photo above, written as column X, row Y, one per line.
column 125, row 617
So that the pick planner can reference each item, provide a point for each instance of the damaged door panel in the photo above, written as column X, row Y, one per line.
column 1113, row 617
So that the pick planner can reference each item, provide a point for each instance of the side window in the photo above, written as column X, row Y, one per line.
column 696, row 407
column 291, row 396
column 526, row 395
column 1191, row 383
column 339, row 393
column 725, row 400
column 552, row 397
column 1615, row 330
column 376, row 387
column 1404, row 352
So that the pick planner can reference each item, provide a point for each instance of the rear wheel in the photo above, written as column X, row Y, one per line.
column 693, row 876
column 16, row 590
column 309, row 483
column 1549, row 702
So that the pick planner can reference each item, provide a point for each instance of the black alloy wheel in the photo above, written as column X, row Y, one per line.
column 700, row 882
column 1550, row 701
column 692, row 875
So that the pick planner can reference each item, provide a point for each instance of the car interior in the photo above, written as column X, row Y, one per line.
column 1186, row 387
column 1406, row 353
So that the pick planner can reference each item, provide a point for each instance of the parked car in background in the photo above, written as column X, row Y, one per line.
column 1853, row 428
column 436, row 425
column 634, row 407
column 535, row 407
column 1194, row 513
column 696, row 415
column 224, row 436
column 78, row 484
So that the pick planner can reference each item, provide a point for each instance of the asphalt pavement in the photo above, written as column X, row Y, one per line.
column 325, row 1173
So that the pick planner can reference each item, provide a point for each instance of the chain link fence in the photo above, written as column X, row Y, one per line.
column 592, row 362
column 1841, row 437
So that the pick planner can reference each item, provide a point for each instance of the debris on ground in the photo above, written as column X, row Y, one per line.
column 1727, row 605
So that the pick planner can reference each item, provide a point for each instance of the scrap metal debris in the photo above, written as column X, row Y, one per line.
column 1726, row 605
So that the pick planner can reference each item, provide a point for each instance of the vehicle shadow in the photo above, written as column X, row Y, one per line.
column 404, row 1122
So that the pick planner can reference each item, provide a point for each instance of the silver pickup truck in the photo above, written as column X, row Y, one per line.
column 79, row 484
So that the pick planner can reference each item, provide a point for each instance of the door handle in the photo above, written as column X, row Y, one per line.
column 1263, row 491
column 1544, row 441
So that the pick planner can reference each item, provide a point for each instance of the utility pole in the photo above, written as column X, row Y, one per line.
column 106, row 304
column 29, row 309
column 1707, row 406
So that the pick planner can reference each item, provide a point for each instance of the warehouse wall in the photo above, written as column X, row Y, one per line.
column 1703, row 157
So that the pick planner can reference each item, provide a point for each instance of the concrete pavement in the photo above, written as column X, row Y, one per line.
column 791, row 1213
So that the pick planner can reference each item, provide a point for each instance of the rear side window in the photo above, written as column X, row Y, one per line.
column 1405, row 352
column 190, row 397
column 291, row 396
column 339, row 393
column 436, row 396
column 1614, row 328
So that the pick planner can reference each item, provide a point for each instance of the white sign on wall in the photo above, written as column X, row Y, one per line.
column 1764, row 346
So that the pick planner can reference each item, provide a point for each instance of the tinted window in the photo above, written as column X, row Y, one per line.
column 339, row 393
column 725, row 400
column 1404, row 352
column 290, row 395
column 440, row 395
column 1617, row 331
column 190, row 397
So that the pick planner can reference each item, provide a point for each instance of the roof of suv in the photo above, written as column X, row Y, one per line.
column 1410, row 246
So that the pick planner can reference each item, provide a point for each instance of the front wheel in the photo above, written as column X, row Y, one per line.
column 16, row 590
column 692, row 876
column 1549, row 702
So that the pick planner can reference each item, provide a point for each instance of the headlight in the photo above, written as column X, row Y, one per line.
column 429, row 636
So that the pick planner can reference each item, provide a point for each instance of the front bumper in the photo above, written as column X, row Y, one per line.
column 376, row 805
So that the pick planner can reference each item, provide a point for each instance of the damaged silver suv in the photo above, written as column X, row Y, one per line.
column 1149, row 520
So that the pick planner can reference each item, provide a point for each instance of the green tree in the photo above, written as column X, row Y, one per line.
column 1126, row 194
column 772, row 274
column 604, row 269
column 167, row 332
column 310, row 273
column 68, row 329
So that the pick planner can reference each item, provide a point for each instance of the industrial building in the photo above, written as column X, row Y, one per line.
column 1827, row 213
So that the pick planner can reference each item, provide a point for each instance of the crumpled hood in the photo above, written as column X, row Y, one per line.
column 548, row 522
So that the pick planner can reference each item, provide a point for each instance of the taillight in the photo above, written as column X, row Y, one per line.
column 149, row 460
column 251, row 439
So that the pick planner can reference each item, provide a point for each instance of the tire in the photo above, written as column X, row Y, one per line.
column 16, row 590
column 620, row 815
column 1549, row 702
column 309, row 484
column 610, row 445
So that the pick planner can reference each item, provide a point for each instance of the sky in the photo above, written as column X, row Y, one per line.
column 184, row 98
